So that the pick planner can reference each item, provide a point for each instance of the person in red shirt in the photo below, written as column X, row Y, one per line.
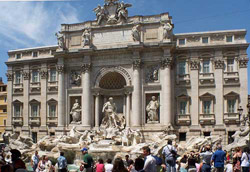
column 100, row 166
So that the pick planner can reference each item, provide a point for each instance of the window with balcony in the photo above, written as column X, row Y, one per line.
column 182, row 68
column 230, row 65
column 17, row 77
column 17, row 110
column 34, row 110
column 229, row 38
column 231, row 106
column 183, row 108
column 206, row 66
column 18, row 56
column 206, row 107
column 52, row 110
column 35, row 76
column 52, row 75
column 35, row 54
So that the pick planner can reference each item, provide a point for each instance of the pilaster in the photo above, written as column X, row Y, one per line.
column 219, row 91
column 10, row 77
column 43, row 112
column 194, row 78
column 61, row 93
column 26, row 88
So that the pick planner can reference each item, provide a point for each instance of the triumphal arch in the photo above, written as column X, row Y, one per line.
column 134, row 66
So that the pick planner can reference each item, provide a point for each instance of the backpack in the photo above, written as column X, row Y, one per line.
column 158, row 160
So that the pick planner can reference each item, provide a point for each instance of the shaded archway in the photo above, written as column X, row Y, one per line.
column 112, row 80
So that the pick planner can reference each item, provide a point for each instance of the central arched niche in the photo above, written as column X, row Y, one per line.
column 113, row 81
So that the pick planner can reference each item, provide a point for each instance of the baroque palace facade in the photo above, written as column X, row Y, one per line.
column 194, row 81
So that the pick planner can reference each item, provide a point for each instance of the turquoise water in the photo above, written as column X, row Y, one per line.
column 70, row 167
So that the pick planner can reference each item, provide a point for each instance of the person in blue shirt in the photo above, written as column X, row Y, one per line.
column 62, row 163
column 218, row 159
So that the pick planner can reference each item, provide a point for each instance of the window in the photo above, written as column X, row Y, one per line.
column 182, row 137
column 183, row 106
column 18, row 77
column 182, row 68
column 34, row 137
column 4, row 110
column 35, row 76
column 206, row 107
column 52, row 110
column 35, row 54
column 231, row 106
column 5, row 99
column 229, row 38
column 230, row 65
column 206, row 65
column 182, row 42
column 205, row 40
column 34, row 110
column 18, row 56
column 17, row 110
column 53, row 75
column 51, row 134
column 207, row 134
column 4, row 88
column 4, row 122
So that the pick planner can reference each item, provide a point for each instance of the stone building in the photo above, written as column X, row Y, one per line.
column 194, row 81
column 3, row 106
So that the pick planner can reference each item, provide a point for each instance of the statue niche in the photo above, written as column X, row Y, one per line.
column 152, row 108
column 76, row 111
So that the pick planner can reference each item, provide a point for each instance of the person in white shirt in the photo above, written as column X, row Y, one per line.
column 150, row 162
column 228, row 167
column 245, row 159
column 109, row 166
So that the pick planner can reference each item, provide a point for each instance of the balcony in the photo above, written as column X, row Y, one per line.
column 206, row 78
column 18, row 88
column 17, row 120
column 231, row 118
column 52, row 121
column 34, row 120
column 207, row 119
column 183, row 119
column 185, row 78
column 52, row 86
column 231, row 77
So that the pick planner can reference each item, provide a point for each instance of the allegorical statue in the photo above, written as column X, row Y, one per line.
column 86, row 37
column 76, row 112
column 167, row 28
column 123, row 12
column 136, row 33
column 110, row 117
column 76, row 78
column 152, row 110
column 60, row 39
column 100, row 14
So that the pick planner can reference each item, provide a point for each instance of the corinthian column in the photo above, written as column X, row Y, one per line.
column 86, row 95
column 61, row 96
column 137, row 95
column 166, row 90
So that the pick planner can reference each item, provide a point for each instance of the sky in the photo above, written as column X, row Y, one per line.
column 29, row 24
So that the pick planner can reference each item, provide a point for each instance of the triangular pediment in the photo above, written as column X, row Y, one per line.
column 207, row 94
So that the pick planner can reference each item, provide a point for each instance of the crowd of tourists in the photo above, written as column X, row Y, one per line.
column 204, row 160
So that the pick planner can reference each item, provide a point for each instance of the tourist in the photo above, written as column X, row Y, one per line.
column 245, row 159
column 139, row 164
column 87, row 161
column 7, row 168
column 206, row 159
column 191, row 162
column 131, row 167
column 48, row 165
column 17, row 163
column 35, row 161
column 228, row 167
column 100, row 166
column 119, row 166
column 109, row 166
column 62, row 163
column 183, row 164
column 41, row 165
column 218, row 159
column 126, row 161
column 169, row 152
column 237, row 160
column 150, row 162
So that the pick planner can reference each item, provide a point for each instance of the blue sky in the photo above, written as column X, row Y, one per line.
column 32, row 24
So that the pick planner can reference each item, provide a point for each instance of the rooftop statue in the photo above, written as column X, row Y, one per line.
column 112, row 12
